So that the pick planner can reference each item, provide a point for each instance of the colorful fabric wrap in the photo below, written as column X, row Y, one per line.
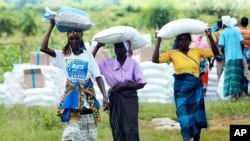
column 203, row 65
column 190, row 106
column 74, row 33
column 72, row 102
column 233, row 78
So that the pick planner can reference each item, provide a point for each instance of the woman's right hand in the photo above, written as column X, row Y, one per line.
column 52, row 21
column 156, row 32
column 157, row 37
column 98, row 45
column 208, row 31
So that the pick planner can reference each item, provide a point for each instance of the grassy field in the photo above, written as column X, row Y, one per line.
column 23, row 123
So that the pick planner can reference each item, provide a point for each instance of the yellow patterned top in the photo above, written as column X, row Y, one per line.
column 182, row 63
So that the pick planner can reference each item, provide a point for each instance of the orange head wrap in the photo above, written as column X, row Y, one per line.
column 74, row 33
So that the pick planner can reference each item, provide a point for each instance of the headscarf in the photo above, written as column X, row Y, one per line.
column 74, row 33
column 233, row 21
column 67, row 49
column 77, row 33
column 226, row 20
column 127, row 45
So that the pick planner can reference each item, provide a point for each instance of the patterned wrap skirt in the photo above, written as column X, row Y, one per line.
column 233, row 77
column 190, row 106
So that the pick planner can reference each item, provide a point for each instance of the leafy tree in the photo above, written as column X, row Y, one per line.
column 27, row 24
column 7, row 22
column 9, row 54
column 214, row 8
column 157, row 15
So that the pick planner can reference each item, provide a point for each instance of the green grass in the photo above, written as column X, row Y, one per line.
column 24, row 123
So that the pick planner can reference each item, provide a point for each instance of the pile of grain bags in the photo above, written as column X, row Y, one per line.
column 159, row 87
column 4, row 95
column 48, row 94
column 212, row 87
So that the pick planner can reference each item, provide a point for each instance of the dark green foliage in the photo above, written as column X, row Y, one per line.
column 14, row 20
column 217, row 9
column 28, row 25
column 7, row 22
column 157, row 15
column 9, row 55
column 132, row 9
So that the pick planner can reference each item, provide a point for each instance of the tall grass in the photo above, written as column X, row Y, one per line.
column 36, row 123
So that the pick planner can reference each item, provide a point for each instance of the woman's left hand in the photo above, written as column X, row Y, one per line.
column 98, row 45
column 208, row 31
column 117, row 87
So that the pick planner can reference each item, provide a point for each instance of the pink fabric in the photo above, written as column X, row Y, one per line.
column 199, row 42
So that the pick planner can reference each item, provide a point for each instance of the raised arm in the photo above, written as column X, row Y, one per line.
column 98, row 46
column 44, row 48
column 155, row 57
column 212, row 42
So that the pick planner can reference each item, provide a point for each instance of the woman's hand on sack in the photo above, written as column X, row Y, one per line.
column 208, row 31
column 52, row 21
column 98, row 45
column 156, row 33
column 157, row 37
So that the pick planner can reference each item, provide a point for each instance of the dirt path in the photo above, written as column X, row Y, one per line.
column 220, row 123
column 225, row 122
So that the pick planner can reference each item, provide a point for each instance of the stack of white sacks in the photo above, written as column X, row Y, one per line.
column 159, row 88
column 12, row 90
column 4, row 95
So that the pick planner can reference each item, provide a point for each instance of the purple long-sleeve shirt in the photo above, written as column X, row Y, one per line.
column 113, row 72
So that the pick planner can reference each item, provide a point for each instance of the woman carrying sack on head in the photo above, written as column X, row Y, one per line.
column 188, row 88
column 79, row 107
column 124, row 77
